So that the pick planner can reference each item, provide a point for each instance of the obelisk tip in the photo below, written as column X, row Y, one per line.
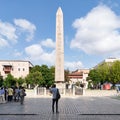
column 59, row 10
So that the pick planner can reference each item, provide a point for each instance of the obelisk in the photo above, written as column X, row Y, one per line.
column 59, row 63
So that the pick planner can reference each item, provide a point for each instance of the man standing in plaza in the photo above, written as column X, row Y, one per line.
column 10, row 94
column 22, row 95
column 55, row 98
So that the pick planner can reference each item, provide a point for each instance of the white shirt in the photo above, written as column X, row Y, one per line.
column 2, row 91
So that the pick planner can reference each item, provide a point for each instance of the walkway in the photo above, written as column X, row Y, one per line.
column 76, row 108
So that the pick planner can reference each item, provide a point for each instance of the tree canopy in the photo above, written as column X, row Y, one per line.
column 9, row 81
column 41, row 75
column 107, row 72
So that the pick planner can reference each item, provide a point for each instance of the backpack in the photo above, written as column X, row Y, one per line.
column 22, row 92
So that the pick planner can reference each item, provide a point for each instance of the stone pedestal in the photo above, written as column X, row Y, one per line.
column 61, row 87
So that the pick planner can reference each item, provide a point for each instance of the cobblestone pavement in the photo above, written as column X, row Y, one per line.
column 79, row 108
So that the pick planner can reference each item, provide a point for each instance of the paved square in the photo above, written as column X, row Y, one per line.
column 79, row 108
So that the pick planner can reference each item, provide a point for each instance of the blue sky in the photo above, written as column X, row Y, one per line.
column 91, row 31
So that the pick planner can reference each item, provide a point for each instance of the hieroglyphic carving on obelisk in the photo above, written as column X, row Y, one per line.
column 59, row 65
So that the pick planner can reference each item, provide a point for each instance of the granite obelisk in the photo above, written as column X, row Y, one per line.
column 59, row 63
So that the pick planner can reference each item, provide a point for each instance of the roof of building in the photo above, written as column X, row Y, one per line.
column 76, row 75
column 17, row 61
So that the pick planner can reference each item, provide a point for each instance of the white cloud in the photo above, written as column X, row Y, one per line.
column 3, row 42
column 7, row 33
column 26, row 26
column 48, row 43
column 48, row 57
column 73, row 65
column 98, row 32
column 36, row 53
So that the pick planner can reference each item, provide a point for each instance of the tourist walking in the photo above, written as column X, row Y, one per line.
column 6, row 92
column 10, row 94
column 2, row 94
column 22, row 95
column 55, row 97
column 16, row 94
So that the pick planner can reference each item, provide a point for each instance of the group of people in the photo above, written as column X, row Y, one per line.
column 12, row 94
column 18, row 93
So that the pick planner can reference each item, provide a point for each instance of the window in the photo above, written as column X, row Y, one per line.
column 18, row 69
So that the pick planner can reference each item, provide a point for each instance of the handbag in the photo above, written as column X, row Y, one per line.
column 58, row 95
column 25, row 94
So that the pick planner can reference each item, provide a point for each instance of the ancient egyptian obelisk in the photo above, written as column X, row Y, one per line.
column 59, row 63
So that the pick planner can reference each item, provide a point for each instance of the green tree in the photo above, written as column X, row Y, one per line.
column 20, row 81
column 9, row 81
column 103, row 71
column 114, row 76
column 94, row 76
column 41, row 75
column 107, row 72
column 1, row 81
column 35, row 68
column 48, row 75
column 34, row 78
column 67, row 72
column 52, row 73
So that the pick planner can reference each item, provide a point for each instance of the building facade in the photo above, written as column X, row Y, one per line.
column 79, row 76
column 17, row 68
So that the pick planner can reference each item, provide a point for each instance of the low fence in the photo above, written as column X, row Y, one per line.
column 71, row 91
column 78, row 91
column 100, row 93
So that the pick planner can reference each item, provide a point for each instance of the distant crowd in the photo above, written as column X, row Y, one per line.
column 10, row 94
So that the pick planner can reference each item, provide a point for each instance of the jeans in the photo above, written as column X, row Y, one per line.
column 10, row 98
column 53, row 103
column 21, row 99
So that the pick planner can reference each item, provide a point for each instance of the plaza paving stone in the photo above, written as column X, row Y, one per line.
column 70, row 108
